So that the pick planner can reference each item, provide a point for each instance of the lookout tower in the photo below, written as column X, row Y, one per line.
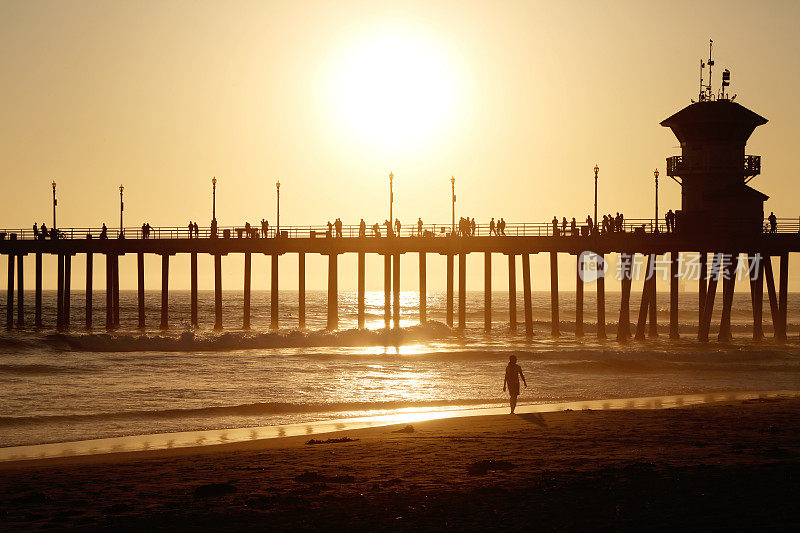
column 713, row 170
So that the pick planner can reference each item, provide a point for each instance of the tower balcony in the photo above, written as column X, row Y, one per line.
column 677, row 167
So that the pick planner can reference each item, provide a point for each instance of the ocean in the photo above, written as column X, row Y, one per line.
column 84, row 385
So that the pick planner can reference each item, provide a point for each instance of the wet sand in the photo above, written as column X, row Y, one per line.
column 730, row 465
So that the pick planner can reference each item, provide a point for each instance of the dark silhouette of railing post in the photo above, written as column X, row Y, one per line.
column 624, row 323
column 10, row 293
column 601, row 296
column 301, row 290
column 555, row 320
column 526, row 294
column 38, row 296
column 361, row 283
column 708, row 306
column 449, row 303
column 579, row 296
column 246, row 299
column 462, row 291
column 20, row 292
column 757, row 293
column 273, row 293
column 512, row 292
column 333, row 291
column 673, row 295
column 396, row 290
column 60, row 293
column 165, row 291
column 423, row 288
column 89, row 289
column 67, row 290
column 193, row 289
column 109, row 293
column 387, row 290
column 487, row 291
column 728, row 285
column 140, row 288
column 783, row 293
column 217, row 292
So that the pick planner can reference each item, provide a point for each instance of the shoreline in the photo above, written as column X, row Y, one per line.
column 152, row 446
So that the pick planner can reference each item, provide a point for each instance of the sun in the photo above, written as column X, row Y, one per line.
column 394, row 90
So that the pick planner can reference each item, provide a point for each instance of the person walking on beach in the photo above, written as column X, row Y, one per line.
column 513, row 373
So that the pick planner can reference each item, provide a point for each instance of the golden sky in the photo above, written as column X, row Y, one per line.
column 517, row 100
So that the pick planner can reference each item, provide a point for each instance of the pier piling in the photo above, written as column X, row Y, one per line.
column 756, row 269
column 512, row 292
column 333, row 292
column 601, row 296
column 579, row 297
column 462, row 291
column 10, row 294
column 653, row 301
column 20, row 292
column 301, row 290
column 644, row 304
column 555, row 321
column 708, row 306
column 783, row 293
column 59, row 293
column 396, row 290
column 487, row 291
column 449, row 311
column 526, row 294
column 89, row 289
column 37, row 317
column 140, row 289
column 248, row 265
column 67, row 290
column 273, row 294
column 109, row 293
column 217, row 292
column 624, row 322
column 115, row 287
column 423, row 288
column 673, row 295
column 773, row 297
column 193, row 289
column 728, row 285
column 702, row 286
column 165, row 291
column 361, row 288
column 387, row 290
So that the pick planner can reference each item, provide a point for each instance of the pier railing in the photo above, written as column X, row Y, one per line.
column 515, row 229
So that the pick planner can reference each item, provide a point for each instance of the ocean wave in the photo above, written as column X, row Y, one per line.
column 203, row 341
column 39, row 369
column 245, row 410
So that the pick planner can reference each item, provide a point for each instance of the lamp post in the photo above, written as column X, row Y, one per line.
column 391, row 197
column 278, row 224
column 453, row 192
column 214, row 199
column 596, row 170
column 121, row 208
column 655, row 173
column 55, row 203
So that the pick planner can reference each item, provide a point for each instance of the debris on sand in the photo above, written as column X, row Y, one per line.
column 331, row 441
column 408, row 429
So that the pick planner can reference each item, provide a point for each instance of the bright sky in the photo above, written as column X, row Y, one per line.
column 517, row 100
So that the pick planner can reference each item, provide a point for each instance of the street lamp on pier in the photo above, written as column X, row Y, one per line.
column 655, row 173
column 391, row 197
column 278, row 223
column 214, row 199
column 121, row 208
column 55, row 203
column 596, row 170
column 453, row 202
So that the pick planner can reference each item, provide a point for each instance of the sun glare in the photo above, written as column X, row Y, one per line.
column 394, row 90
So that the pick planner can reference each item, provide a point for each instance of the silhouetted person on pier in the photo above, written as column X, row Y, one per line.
column 573, row 227
column 492, row 230
column 330, row 230
column 397, row 226
column 605, row 224
column 513, row 373
column 191, row 228
column 35, row 231
column 388, row 227
column 104, row 232
column 502, row 227
column 419, row 227
column 555, row 226
column 362, row 228
column 43, row 234
column 564, row 226
column 773, row 222
column 590, row 223
column 376, row 230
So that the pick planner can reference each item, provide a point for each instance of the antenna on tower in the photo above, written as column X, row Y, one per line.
column 702, row 95
column 726, row 81
column 710, row 95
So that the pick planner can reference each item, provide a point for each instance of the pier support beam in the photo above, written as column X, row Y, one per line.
column 37, row 316
column 526, row 294
column 109, row 293
column 20, row 292
column 673, row 295
column 60, row 294
column 89, row 289
column 783, row 293
column 708, row 306
column 756, row 269
column 512, row 292
column 396, row 290
column 273, row 294
column 67, row 290
column 217, row 292
column 248, row 264
column 702, row 286
column 115, row 288
column 423, row 288
column 601, row 296
column 624, row 322
column 333, row 292
column 555, row 320
column 301, row 290
column 449, row 312
column 165, row 291
column 653, row 302
column 193, row 289
column 773, row 297
column 728, row 285
column 487, row 291
column 361, row 289
column 462, row 291
column 140, row 288
column 387, row 290
column 10, row 293
column 579, row 297
column 646, row 301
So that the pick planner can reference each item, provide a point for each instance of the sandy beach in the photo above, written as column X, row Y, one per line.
column 714, row 466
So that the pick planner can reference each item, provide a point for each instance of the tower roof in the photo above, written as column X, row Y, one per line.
column 714, row 120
